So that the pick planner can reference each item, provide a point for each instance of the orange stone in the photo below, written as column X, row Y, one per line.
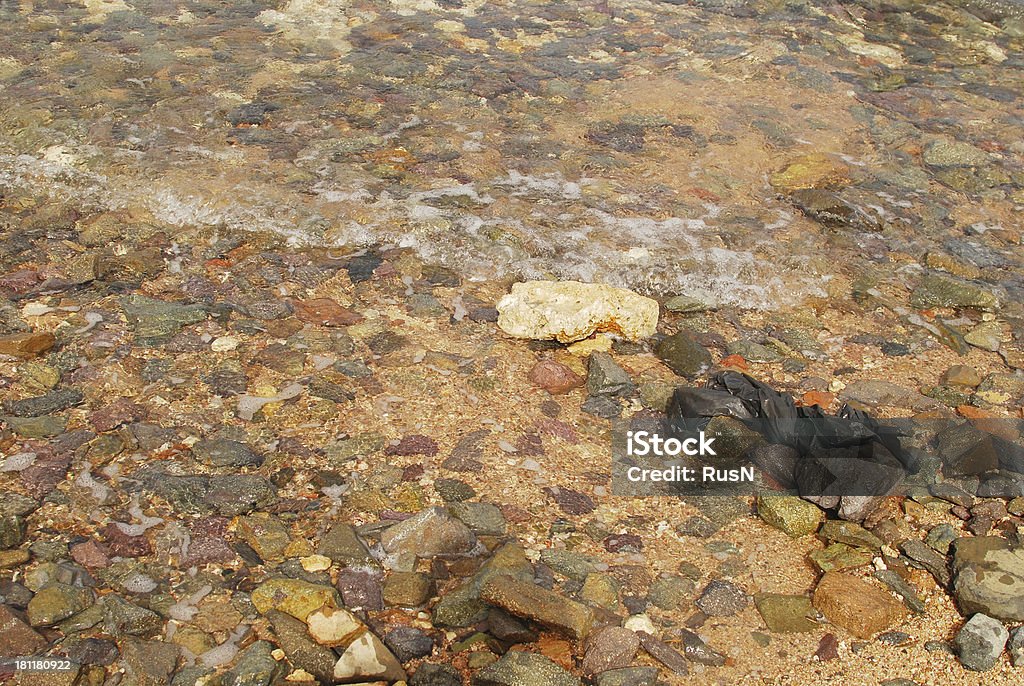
column 325, row 312
column 861, row 608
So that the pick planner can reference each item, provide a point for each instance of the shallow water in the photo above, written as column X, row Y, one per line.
column 627, row 142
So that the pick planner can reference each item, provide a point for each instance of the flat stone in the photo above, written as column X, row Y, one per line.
column 839, row 556
column 25, row 346
column 430, row 533
column 989, row 577
column 265, row 534
column 324, row 312
column 406, row 589
column 792, row 515
column 610, row 648
column 367, row 658
column 302, row 651
column 12, row 531
column 57, row 601
column 786, row 613
column 684, row 355
column 518, row 668
column 570, row 311
column 849, row 533
column 485, row 519
column 670, row 592
column 255, row 666
column 148, row 663
column 980, row 642
column 525, row 599
column 1016, row 647
column 121, row 618
column 568, row 563
column 333, row 626
column 814, row 170
column 156, row 321
column 54, row 401
column 937, row 290
column 905, row 591
column 17, row 638
column 987, row 336
column 298, row 598
column 924, row 555
column 855, row 605
column 722, row 599
column 222, row 452
column 696, row 650
column 342, row 544
column 408, row 643
column 663, row 653
column 629, row 676
column 945, row 152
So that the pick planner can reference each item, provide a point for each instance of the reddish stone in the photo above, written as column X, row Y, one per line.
column 828, row 648
column 554, row 377
column 45, row 473
column 17, row 638
column 325, row 312
column 557, row 650
column 623, row 542
column 122, row 545
column 529, row 444
column 413, row 472
column 20, row 281
column 90, row 555
column 207, row 543
column 413, row 444
column 560, row 429
column 571, row 502
column 113, row 415
column 735, row 362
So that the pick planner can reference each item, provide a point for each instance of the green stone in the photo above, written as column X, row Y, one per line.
column 792, row 515
column 840, row 556
column 786, row 613
column 938, row 290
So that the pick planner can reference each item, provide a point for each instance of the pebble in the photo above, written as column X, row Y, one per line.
column 610, row 648
column 786, row 613
column 980, row 642
column 606, row 377
column 684, row 355
column 518, row 668
column 429, row 533
column 855, row 605
column 792, row 515
column 429, row 674
column 408, row 643
column 554, row 377
column 527, row 600
column 722, row 599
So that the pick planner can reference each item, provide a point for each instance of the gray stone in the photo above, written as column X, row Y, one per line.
column 980, row 642
column 1016, row 647
column 151, row 663
column 630, row 676
column 121, row 617
column 602, row 406
column 222, row 452
column 12, row 531
column 518, row 668
column 670, row 592
column 929, row 559
column 663, row 653
column 722, row 599
column 342, row 544
column 301, row 649
column 938, row 290
column 568, row 563
column 454, row 490
column 156, row 321
column 850, row 533
column 684, row 355
column 256, row 666
column 54, row 401
column 430, row 533
column 989, row 577
column 903, row 589
column 430, row 674
column 483, row 518
column 528, row 600
column 752, row 352
column 696, row 650
column 606, row 377
column 408, row 643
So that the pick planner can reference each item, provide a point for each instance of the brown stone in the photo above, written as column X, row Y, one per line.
column 525, row 599
column 555, row 378
column 26, row 345
column 325, row 312
column 856, row 605
column 16, row 637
